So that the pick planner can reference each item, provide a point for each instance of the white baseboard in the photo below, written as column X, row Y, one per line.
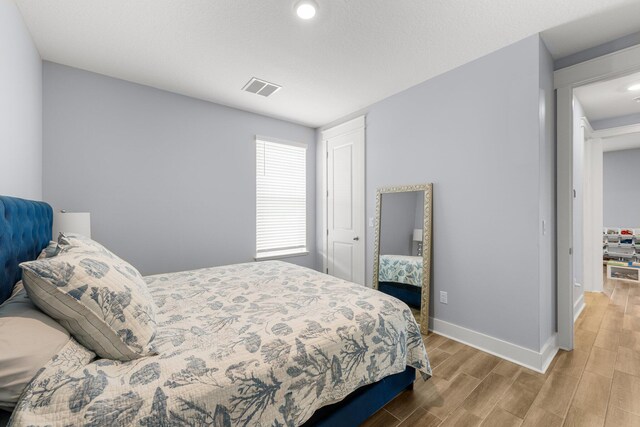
column 578, row 306
column 549, row 351
column 537, row 361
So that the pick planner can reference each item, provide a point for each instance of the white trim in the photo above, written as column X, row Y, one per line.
column 564, row 217
column 322, row 168
column 617, row 131
column 593, row 197
column 618, row 63
column 548, row 352
column 281, row 141
column 578, row 306
column 537, row 361
column 346, row 127
column 588, row 130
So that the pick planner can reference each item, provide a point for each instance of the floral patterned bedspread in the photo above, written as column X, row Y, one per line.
column 401, row 269
column 249, row 344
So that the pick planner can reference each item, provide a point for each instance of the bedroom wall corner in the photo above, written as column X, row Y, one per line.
column 169, row 180
column 20, row 107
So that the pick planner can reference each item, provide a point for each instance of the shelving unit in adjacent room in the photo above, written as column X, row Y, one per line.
column 621, row 252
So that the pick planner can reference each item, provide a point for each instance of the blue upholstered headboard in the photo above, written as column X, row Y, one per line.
column 25, row 229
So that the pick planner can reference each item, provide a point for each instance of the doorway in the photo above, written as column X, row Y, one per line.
column 606, row 155
column 602, row 69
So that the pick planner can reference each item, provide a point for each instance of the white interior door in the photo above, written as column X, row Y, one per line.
column 345, row 206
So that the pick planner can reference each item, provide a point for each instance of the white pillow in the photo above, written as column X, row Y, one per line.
column 99, row 298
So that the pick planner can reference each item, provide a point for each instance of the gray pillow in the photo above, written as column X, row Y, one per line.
column 99, row 298
column 28, row 339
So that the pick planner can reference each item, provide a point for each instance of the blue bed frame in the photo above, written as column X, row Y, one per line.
column 25, row 230
column 409, row 294
column 364, row 402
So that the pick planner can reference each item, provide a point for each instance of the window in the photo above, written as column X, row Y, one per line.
column 281, row 198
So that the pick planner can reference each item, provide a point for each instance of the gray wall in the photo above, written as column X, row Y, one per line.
column 477, row 133
column 397, row 221
column 614, row 122
column 20, row 107
column 169, row 180
column 621, row 188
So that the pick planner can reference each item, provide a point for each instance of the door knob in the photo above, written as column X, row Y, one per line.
column 356, row 238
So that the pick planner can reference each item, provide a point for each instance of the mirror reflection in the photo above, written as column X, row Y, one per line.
column 402, row 250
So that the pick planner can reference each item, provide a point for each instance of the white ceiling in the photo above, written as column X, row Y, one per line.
column 354, row 53
column 603, row 100
column 592, row 30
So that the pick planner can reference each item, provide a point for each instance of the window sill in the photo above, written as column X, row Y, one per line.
column 281, row 254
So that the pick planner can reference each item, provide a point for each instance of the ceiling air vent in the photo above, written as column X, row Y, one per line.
column 261, row 87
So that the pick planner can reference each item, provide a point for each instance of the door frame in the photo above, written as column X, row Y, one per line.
column 359, row 123
column 616, row 64
column 591, row 198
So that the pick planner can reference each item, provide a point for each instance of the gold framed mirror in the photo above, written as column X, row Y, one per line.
column 402, row 246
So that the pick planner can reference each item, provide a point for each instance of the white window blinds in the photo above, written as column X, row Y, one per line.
column 281, row 198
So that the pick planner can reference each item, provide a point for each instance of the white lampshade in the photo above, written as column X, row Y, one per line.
column 417, row 234
column 71, row 222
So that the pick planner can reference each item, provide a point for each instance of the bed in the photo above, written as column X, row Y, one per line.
column 401, row 277
column 266, row 343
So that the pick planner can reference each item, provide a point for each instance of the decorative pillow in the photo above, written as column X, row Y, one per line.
column 99, row 298
column 28, row 340
column 74, row 239
column 75, row 242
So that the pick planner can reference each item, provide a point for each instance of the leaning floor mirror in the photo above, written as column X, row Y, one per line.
column 402, row 264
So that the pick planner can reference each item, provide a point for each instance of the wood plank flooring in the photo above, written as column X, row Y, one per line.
column 597, row 384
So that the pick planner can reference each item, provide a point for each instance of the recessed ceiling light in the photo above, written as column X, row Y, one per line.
column 634, row 87
column 306, row 9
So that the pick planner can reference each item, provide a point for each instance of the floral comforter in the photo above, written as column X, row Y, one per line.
column 401, row 269
column 248, row 344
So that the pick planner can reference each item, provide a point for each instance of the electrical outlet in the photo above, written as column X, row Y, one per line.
column 443, row 297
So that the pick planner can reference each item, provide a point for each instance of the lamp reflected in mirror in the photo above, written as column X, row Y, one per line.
column 417, row 237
